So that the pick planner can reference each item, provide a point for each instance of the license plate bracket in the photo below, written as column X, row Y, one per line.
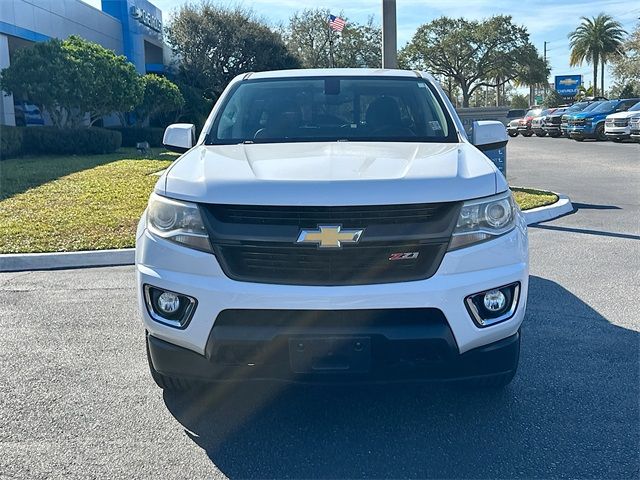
column 330, row 354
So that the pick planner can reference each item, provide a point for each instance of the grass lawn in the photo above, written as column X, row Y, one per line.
column 51, row 203
column 70, row 203
column 529, row 198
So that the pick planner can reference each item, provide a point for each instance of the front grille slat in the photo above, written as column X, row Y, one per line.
column 258, row 243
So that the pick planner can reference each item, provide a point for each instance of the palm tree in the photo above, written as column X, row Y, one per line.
column 596, row 40
column 533, row 72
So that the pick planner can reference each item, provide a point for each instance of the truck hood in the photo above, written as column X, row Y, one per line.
column 626, row 114
column 331, row 173
column 586, row 115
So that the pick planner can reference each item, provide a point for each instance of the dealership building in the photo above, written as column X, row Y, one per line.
column 129, row 27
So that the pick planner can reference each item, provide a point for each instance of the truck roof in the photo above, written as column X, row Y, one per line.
column 337, row 72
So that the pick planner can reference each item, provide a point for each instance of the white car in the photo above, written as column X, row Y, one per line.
column 616, row 125
column 332, row 225
column 634, row 128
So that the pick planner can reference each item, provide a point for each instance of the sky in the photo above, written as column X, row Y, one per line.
column 546, row 20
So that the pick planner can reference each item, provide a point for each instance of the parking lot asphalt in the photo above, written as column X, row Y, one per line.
column 76, row 400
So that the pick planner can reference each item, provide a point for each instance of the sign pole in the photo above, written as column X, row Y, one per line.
column 389, row 35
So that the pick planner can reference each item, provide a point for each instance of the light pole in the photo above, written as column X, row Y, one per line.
column 389, row 35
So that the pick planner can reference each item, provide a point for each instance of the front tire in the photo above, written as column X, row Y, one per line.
column 600, row 135
column 513, row 134
column 527, row 134
column 541, row 134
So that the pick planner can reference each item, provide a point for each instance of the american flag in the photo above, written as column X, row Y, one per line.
column 336, row 23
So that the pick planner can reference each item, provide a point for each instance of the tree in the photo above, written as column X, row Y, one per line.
column 470, row 52
column 533, row 72
column 596, row 41
column 39, row 74
column 72, row 78
column 160, row 96
column 214, row 44
column 626, row 68
column 553, row 99
column 519, row 101
column 309, row 37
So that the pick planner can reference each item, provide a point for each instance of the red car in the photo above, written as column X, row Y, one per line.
column 524, row 125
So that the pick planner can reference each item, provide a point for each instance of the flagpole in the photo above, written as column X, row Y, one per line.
column 331, row 59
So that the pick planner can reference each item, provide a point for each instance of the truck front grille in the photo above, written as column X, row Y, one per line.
column 258, row 243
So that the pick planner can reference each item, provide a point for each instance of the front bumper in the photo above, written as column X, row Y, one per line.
column 581, row 131
column 617, row 132
column 395, row 356
column 463, row 272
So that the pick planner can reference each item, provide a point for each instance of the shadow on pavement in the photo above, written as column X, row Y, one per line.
column 586, row 231
column 572, row 411
column 593, row 206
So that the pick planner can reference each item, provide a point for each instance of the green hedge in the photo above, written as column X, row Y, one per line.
column 82, row 141
column 17, row 141
column 133, row 135
column 11, row 139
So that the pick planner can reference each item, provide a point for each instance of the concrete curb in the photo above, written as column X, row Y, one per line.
column 16, row 262
column 549, row 212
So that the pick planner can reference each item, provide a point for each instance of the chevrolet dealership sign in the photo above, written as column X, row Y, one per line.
column 146, row 18
column 568, row 85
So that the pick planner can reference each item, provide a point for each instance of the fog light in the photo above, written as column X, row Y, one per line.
column 493, row 306
column 169, row 308
column 494, row 300
column 170, row 302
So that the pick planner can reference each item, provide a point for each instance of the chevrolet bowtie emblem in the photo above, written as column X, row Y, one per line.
column 329, row 236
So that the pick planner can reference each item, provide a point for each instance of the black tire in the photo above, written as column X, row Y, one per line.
column 579, row 139
column 513, row 134
column 616, row 140
column 170, row 384
column 527, row 134
column 541, row 134
column 600, row 136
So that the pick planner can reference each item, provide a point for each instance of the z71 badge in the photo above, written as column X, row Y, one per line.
column 404, row 256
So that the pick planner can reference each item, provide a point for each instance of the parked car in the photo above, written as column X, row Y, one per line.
column 332, row 225
column 634, row 129
column 616, row 125
column 552, row 122
column 512, row 128
column 538, row 123
column 590, row 123
column 575, row 108
column 515, row 114
column 524, row 125
column 28, row 115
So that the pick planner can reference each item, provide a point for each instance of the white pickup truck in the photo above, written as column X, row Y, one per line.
column 332, row 225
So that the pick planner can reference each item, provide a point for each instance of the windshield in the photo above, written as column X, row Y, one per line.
column 635, row 108
column 332, row 109
column 533, row 112
column 605, row 106
column 577, row 107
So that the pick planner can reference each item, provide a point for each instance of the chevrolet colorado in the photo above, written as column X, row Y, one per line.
column 332, row 225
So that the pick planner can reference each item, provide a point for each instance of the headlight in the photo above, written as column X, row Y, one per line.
column 483, row 219
column 177, row 221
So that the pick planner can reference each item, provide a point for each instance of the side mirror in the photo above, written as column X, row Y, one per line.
column 179, row 137
column 488, row 135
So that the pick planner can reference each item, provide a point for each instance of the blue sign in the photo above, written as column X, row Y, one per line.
column 567, row 85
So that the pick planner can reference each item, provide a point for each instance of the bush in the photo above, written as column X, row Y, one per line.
column 133, row 135
column 51, row 140
column 11, row 139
